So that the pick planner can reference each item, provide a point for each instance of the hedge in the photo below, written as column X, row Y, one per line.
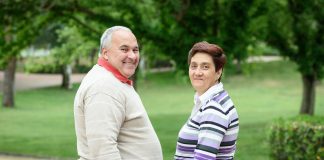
column 300, row 138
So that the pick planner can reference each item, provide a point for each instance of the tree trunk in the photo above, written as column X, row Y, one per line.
column 8, row 83
column 66, row 74
column 77, row 64
column 239, row 67
column 93, row 56
column 308, row 102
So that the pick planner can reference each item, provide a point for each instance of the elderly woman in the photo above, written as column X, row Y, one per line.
column 211, row 130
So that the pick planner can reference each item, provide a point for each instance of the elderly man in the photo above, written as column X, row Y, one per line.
column 110, row 120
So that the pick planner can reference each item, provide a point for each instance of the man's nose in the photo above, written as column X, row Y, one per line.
column 131, row 54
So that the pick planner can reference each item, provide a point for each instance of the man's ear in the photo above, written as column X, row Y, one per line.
column 104, row 53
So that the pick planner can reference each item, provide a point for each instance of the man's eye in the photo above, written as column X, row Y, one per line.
column 135, row 50
column 124, row 49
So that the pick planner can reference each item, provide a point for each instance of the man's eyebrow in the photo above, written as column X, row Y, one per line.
column 123, row 46
column 126, row 46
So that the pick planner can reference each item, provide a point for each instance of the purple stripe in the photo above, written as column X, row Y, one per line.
column 183, row 148
column 186, row 149
column 226, row 150
column 189, row 136
column 230, row 137
column 221, row 96
column 200, row 156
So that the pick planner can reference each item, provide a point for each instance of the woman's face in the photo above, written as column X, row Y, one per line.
column 202, row 72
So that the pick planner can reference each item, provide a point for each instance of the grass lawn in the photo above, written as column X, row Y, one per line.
column 42, row 124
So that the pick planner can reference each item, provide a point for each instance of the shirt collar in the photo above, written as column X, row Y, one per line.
column 215, row 89
column 104, row 63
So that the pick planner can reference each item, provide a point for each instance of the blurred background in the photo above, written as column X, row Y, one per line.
column 274, row 73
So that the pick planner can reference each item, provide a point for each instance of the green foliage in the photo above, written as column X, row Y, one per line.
column 72, row 45
column 21, row 22
column 296, row 28
column 41, row 65
column 299, row 138
column 235, row 35
column 184, row 23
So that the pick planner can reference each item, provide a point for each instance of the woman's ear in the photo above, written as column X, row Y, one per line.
column 219, row 74
column 220, row 71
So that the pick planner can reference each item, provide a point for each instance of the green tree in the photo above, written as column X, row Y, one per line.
column 183, row 23
column 296, row 28
column 234, row 31
column 20, row 22
column 72, row 46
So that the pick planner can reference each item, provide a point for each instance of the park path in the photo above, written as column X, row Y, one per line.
column 12, row 157
column 25, row 81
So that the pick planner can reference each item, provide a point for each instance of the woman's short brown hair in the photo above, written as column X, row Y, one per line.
column 216, row 52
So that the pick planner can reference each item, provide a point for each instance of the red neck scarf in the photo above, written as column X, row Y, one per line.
column 104, row 63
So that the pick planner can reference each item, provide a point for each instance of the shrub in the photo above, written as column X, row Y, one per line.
column 82, row 68
column 300, row 138
column 41, row 65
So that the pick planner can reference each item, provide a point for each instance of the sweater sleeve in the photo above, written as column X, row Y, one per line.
column 104, row 116
column 213, row 125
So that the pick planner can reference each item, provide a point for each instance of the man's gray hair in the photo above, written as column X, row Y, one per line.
column 105, row 40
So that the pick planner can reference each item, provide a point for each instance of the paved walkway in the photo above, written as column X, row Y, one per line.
column 24, row 81
column 11, row 157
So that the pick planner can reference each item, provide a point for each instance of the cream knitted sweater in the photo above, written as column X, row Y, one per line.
column 111, row 122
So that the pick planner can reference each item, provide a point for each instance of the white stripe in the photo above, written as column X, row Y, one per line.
column 217, row 113
column 185, row 154
column 210, row 136
column 186, row 145
column 228, row 104
column 205, row 153
column 231, row 132
column 189, row 130
column 234, row 123
column 193, row 124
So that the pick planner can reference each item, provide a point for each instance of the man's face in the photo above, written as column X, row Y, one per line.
column 123, row 53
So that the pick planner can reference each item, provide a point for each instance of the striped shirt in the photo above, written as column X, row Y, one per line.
column 212, row 129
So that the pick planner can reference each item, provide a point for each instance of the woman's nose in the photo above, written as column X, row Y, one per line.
column 199, row 72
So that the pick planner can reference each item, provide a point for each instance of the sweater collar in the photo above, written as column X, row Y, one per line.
column 104, row 63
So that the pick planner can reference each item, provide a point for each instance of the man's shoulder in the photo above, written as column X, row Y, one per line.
column 99, row 76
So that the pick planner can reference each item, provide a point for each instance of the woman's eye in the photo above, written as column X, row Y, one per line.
column 193, row 66
column 205, row 67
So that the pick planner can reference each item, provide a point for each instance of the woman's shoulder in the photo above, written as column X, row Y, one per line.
column 220, row 102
